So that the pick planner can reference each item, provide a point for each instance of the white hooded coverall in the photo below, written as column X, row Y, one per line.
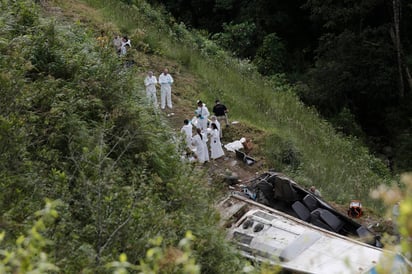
column 203, row 114
column 150, row 83
column 165, row 81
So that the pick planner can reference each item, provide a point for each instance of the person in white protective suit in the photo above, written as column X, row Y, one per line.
column 205, row 140
column 150, row 82
column 124, row 45
column 213, row 119
column 117, row 43
column 199, row 142
column 215, row 144
column 186, row 130
column 165, row 81
column 202, row 114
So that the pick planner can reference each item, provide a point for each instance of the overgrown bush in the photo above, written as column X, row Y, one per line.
column 270, row 58
column 398, row 202
column 237, row 38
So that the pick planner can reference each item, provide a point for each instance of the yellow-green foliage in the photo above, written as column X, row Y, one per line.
column 405, row 219
column 399, row 195
column 162, row 260
column 29, row 252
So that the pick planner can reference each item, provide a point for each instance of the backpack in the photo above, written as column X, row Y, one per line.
column 355, row 209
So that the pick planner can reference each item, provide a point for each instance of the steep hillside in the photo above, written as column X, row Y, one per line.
column 76, row 127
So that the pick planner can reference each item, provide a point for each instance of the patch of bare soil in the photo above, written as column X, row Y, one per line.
column 228, row 169
column 369, row 219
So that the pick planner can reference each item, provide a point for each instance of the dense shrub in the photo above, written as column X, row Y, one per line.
column 270, row 58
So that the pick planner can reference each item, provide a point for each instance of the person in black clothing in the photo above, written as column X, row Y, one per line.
column 220, row 112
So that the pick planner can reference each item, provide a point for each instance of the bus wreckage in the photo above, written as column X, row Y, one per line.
column 265, row 234
column 281, row 193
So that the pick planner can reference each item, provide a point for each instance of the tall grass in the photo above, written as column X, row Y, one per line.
column 339, row 166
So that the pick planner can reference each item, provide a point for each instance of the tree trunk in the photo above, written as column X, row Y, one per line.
column 396, row 19
column 403, row 61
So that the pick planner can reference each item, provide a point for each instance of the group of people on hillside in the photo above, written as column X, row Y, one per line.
column 165, row 82
column 200, row 128
column 120, row 43
column 200, row 131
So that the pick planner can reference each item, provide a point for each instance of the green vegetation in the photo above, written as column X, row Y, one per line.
column 75, row 127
